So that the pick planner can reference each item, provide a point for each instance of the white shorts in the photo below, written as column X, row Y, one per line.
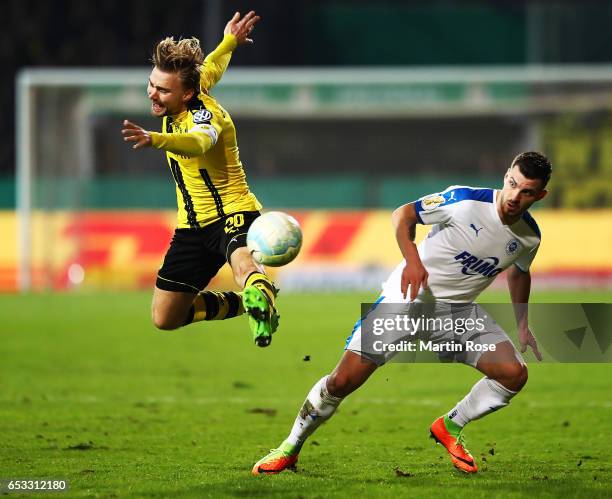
column 425, row 332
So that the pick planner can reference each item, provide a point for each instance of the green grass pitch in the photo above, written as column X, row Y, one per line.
column 91, row 393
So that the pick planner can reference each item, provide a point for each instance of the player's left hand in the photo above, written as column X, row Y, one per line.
column 134, row 133
column 526, row 338
column 242, row 28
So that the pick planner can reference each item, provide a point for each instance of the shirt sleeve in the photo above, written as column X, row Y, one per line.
column 523, row 262
column 196, row 142
column 192, row 143
column 217, row 61
column 435, row 208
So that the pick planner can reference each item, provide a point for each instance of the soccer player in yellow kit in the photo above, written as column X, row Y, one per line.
column 215, row 205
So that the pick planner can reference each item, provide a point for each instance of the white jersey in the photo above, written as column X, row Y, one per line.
column 468, row 245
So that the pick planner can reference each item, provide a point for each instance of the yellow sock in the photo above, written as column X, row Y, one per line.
column 215, row 306
column 262, row 282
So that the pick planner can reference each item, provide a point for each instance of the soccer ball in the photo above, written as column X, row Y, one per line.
column 274, row 239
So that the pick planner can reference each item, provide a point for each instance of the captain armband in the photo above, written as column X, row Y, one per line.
column 209, row 130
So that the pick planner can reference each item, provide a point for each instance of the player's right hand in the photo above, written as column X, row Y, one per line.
column 133, row 133
column 415, row 276
column 241, row 28
column 526, row 338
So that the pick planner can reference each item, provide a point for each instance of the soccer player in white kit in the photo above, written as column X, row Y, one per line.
column 477, row 233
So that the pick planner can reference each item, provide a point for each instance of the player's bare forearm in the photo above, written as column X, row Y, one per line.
column 404, row 221
column 519, row 285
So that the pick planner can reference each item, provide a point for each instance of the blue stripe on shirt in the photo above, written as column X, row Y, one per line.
column 456, row 195
column 468, row 194
column 529, row 220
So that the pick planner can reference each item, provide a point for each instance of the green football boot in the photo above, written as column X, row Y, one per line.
column 263, row 318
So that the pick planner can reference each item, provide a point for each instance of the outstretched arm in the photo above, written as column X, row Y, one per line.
column 194, row 143
column 237, row 32
column 404, row 221
column 519, row 284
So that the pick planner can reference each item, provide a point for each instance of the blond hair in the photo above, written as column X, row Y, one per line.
column 183, row 56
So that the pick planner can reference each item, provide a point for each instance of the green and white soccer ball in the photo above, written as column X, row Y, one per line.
column 274, row 239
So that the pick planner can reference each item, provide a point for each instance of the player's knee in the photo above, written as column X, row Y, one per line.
column 521, row 376
column 515, row 376
column 162, row 321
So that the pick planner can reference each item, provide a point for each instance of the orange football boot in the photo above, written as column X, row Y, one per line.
column 283, row 458
column 454, row 443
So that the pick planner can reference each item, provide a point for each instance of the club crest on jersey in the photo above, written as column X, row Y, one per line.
column 431, row 202
column 512, row 246
column 202, row 116
column 473, row 265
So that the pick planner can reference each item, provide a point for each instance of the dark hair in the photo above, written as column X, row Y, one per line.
column 183, row 56
column 534, row 165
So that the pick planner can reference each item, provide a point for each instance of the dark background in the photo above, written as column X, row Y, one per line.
column 69, row 33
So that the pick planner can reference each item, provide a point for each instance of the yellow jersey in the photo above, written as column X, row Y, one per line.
column 202, row 152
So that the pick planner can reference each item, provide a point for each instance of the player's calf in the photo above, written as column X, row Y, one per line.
column 215, row 306
column 351, row 372
column 180, row 309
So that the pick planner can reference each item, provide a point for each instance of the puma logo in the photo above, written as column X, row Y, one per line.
column 475, row 229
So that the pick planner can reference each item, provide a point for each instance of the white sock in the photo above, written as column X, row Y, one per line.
column 485, row 397
column 318, row 407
